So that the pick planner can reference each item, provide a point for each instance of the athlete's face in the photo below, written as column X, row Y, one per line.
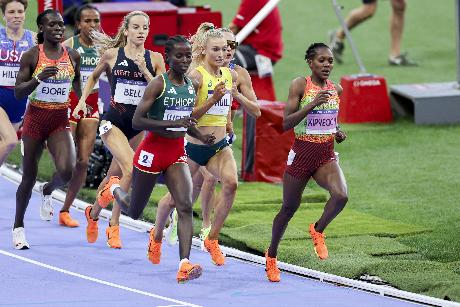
column 215, row 51
column 322, row 64
column 53, row 28
column 138, row 29
column 180, row 57
column 15, row 15
column 90, row 20
column 231, row 47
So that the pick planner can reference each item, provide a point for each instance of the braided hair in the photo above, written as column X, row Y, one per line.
column 176, row 39
column 312, row 50
column 40, row 17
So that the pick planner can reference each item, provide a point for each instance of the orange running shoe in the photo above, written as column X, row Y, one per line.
column 273, row 273
column 319, row 244
column 188, row 272
column 91, row 228
column 104, row 197
column 66, row 220
column 113, row 236
column 212, row 246
column 154, row 249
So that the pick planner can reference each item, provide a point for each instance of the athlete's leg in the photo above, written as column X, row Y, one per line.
column 32, row 152
column 114, row 170
column 167, row 203
column 8, row 137
column 330, row 177
column 208, row 196
column 223, row 167
column 84, row 134
column 62, row 149
column 397, row 26
column 179, row 183
column 357, row 16
column 142, row 186
column 123, row 152
column 292, row 195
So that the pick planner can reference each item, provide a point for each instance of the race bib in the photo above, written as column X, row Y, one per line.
column 129, row 91
column 175, row 113
column 52, row 90
column 85, row 72
column 145, row 158
column 222, row 106
column 321, row 122
column 8, row 73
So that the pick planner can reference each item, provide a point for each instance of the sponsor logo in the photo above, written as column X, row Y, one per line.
column 172, row 90
column 123, row 63
column 363, row 83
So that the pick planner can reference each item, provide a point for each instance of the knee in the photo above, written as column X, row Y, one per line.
column 66, row 174
column 288, row 211
column 369, row 10
column 399, row 7
column 230, row 185
column 184, row 208
column 82, row 163
column 341, row 197
column 10, row 142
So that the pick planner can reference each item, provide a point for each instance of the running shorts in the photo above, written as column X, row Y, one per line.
column 156, row 153
column 305, row 158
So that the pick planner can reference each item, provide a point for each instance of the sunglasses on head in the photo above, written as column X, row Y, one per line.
column 232, row 44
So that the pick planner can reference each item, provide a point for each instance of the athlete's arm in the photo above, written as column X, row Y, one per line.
column 292, row 114
column 340, row 136
column 194, row 132
column 219, row 92
column 25, row 84
column 246, row 95
column 158, row 63
column 140, row 119
column 76, row 83
column 103, row 66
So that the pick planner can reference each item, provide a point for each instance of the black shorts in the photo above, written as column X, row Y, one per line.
column 201, row 154
column 121, row 116
column 369, row 1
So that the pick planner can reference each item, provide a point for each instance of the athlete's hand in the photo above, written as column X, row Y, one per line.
column 219, row 91
column 48, row 72
column 208, row 139
column 235, row 91
column 140, row 62
column 340, row 136
column 81, row 106
column 185, row 122
column 321, row 97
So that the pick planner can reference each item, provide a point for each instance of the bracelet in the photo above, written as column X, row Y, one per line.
column 36, row 78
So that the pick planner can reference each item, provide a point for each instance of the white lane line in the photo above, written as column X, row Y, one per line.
column 99, row 281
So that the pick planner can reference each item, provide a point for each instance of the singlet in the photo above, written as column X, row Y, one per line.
column 128, row 83
column 89, row 58
column 10, row 55
column 53, row 92
column 175, row 102
column 216, row 116
column 321, row 122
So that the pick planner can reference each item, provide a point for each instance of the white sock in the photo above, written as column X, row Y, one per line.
column 182, row 261
column 113, row 187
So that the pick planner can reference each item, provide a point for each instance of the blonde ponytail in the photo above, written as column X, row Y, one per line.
column 102, row 41
column 199, row 40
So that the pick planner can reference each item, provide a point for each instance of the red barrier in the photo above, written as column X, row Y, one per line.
column 163, row 20
column 190, row 18
column 263, row 87
column 265, row 144
column 50, row 4
column 364, row 99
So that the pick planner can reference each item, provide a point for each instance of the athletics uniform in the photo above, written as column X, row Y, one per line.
column 47, row 112
column 89, row 60
column 10, row 57
column 216, row 116
column 314, row 136
column 128, row 86
column 156, row 153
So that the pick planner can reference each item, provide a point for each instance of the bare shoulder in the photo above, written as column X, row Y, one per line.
column 299, row 83
column 196, row 77
column 31, row 55
column 338, row 88
column 243, row 74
